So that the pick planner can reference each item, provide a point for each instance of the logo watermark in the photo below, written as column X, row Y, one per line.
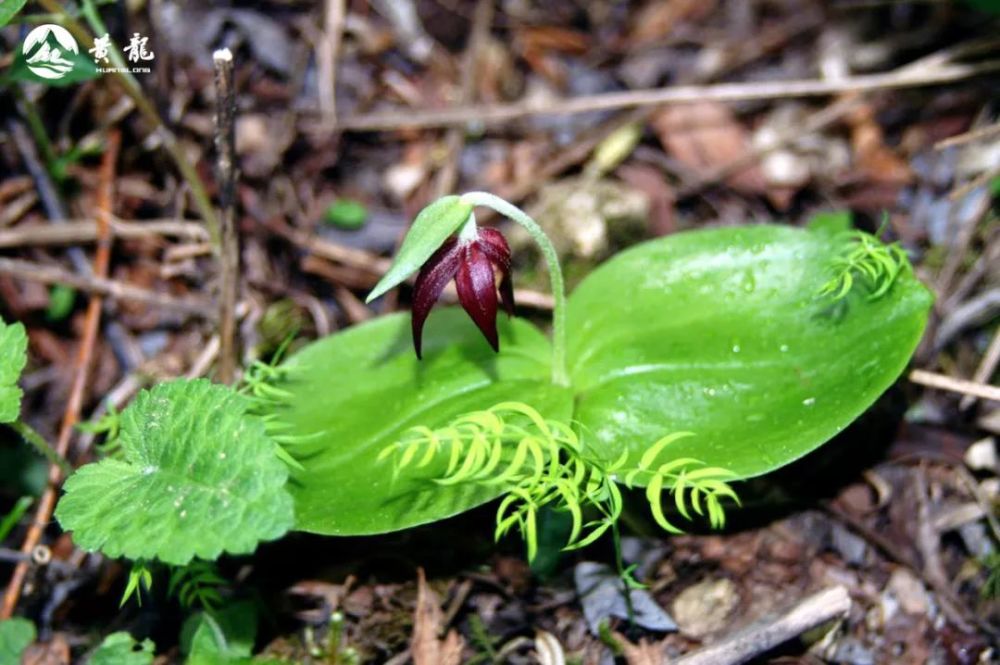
column 45, row 49
column 51, row 53
column 136, row 52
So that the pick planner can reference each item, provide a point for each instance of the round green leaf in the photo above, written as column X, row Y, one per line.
column 121, row 649
column 350, row 395
column 199, row 477
column 13, row 356
column 721, row 333
column 15, row 636
column 427, row 233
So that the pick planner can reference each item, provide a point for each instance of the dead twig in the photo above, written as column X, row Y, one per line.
column 77, row 232
column 974, row 275
column 944, row 382
column 47, row 191
column 764, row 635
column 987, row 366
column 326, row 60
column 970, row 136
column 584, row 146
column 229, row 249
column 447, row 176
column 957, row 250
column 85, row 352
column 974, row 311
column 48, row 274
column 928, row 543
column 904, row 77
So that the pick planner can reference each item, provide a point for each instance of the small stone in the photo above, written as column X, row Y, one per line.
column 402, row 179
column 982, row 455
column 909, row 592
column 705, row 608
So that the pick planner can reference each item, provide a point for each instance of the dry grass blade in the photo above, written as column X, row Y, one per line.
column 721, row 92
column 943, row 382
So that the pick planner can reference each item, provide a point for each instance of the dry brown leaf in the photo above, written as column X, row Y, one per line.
column 540, row 45
column 53, row 652
column 425, row 647
column 650, row 181
column 871, row 154
column 643, row 653
column 656, row 19
column 704, row 136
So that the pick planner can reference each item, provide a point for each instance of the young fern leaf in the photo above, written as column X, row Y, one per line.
column 863, row 258
column 196, row 585
column 543, row 463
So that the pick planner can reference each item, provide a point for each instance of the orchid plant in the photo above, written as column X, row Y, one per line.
column 678, row 367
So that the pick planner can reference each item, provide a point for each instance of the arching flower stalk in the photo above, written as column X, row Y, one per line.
column 445, row 243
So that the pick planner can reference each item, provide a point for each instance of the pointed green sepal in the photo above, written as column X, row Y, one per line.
column 427, row 233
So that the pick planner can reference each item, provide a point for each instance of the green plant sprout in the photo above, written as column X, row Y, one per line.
column 863, row 258
column 539, row 463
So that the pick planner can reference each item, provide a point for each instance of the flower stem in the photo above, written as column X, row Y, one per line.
column 560, row 376
column 623, row 574
column 29, row 434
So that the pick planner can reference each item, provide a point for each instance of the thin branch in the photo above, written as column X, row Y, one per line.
column 80, row 231
column 47, row 274
column 229, row 255
column 904, row 77
column 944, row 382
column 763, row 636
column 85, row 352
column 970, row 136
column 326, row 60
column 987, row 366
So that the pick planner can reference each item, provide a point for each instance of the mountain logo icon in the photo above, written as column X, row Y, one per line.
column 45, row 50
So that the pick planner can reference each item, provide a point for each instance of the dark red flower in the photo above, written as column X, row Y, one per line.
column 470, row 263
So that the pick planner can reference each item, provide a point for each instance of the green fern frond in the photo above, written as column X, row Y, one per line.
column 543, row 463
column 866, row 260
column 196, row 585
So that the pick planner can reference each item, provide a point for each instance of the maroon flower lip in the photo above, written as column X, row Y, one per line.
column 471, row 264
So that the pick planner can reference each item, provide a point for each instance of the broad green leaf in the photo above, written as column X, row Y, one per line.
column 121, row 649
column 835, row 221
column 9, row 9
column 15, row 636
column 352, row 394
column 721, row 333
column 199, row 477
column 427, row 233
column 13, row 356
